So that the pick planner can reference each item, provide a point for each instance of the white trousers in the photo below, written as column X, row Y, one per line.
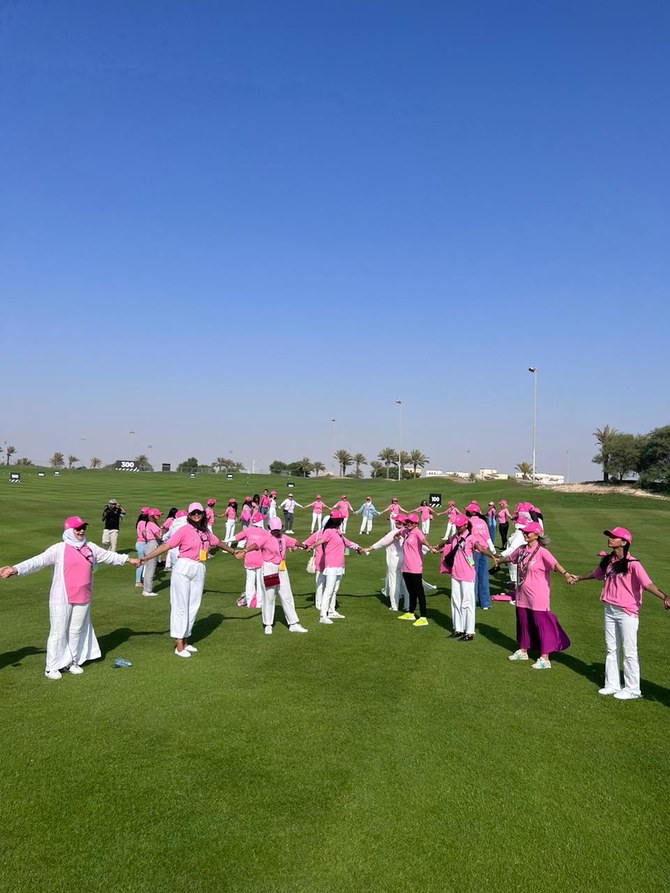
column 333, row 578
column 253, row 585
column 463, row 606
column 425, row 527
column 67, row 624
column 109, row 539
column 186, row 586
column 343, row 525
column 150, row 566
column 366, row 525
column 621, row 635
column 230, row 532
column 316, row 521
column 395, row 584
column 450, row 531
column 270, row 596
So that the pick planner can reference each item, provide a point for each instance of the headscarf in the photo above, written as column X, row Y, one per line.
column 71, row 540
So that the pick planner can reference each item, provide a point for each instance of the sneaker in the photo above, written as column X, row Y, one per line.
column 191, row 648
column 138, row 585
column 75, row 669
column 608, row 691
column 486, row 609
column 296, row 628
column 335, row 615
column 626, row 695
column 407, row 616
column 268, row 630
column 542, row 664
column 150, row 594
column 456, row 634
column 183, row 653
column 53, row 674
column 420, row 622
column 325, row 620
column 518, row 655
column 467, row 637
column 241, row 602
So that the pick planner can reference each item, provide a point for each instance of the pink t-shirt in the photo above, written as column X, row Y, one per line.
column 141, row 527
column 624, row 590
column 412, row 554
column 252, row 535
column 230, row 513
column 78, row 574
column 317, row 506
column 491, row 512
column 463, row 568
column 480, row 530
column 168, row 524
column 273, row 548
column 503, row 515
column 264, row 501
column 209, row 514
column 190, row 541
column 533, row 587
column 245, row 514
column 344, row 506
column 333, row 545
column 394, row 509
column 451, row 513
column 152, row 532
column 319, row 551
column 426, row 512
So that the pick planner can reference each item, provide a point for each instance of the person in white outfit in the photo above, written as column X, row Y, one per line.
column 334, row 544
column 288, row 506
column 394, row 585
column 187, row 582
column 72, row 639
column 368, row 511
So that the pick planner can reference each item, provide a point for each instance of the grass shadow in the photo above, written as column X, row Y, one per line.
column 110, row 641
column 205, row 626
column 494, row 635
column 14, row 658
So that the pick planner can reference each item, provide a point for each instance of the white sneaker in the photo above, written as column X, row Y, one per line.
column 150, row 594
column 192, row 649
column 541, row 664
column 75, row 669
column 608, row 691
column 626, row 695
column 335, row 615
column 296, row 628
column 325, row 620
column 53, row 674
column 268, row 630
column 183, row 653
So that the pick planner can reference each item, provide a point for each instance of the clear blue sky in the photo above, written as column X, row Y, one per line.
column 223, row 224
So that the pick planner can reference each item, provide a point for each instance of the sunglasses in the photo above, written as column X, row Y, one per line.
column 197, row 512
column 81, row 529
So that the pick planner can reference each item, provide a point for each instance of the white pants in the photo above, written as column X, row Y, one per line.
column 425, row 527
column 171, row 558
column 270, row 596
column 450, row 531
column 66, row 626
column 463, row 606
column 366, row 525
column 316, row 521
column 343, row 525
column 230, row 532
column 320, row 579
column 150, row 566
column 395, row 584
column 333, row 578
column 253, row 585
column 186, row 586
column 621, row 635
column 109, row 539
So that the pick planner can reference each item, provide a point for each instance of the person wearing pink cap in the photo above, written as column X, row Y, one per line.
column 394, row 509
column 625, row 580
column 253, row 563
column 425, row 513
column 193, row 542
column 368, row 512
column 480, row 529
column 264, row 504
column 345, row 507
column 394, row 584
column 209, row 513
column 180, row 519
column 491, row 520
column 536, row 626
column 153, row 535
column 140, row 542
column 414, row 545
column 503, row 518
column 458, row 560
column 273, row 546
column 230, row 514
column 333, row 544
column 451, row 512
column 72, row 640
column 245, row 512
column 272, row 508
column 317, row 512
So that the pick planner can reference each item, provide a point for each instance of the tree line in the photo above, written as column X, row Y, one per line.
column 387, row 459
column 645, row 455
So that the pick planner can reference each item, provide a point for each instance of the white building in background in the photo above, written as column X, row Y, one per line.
column 543, row 478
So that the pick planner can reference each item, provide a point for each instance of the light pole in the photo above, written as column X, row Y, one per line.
column 332, row 445
column 533, row 370
column 132, row 444
column 567, row 466
column 399, row 402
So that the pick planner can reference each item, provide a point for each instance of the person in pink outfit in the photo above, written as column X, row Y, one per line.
column 394, row 585
column 333, row 543
column 153, row 534
column 536, row 626
column 394, row 509
column 451, row 512
column 426, row 514
column 414, row 544
column 230, row 514
column 140, row 526
column 344, row 507
column 503, row 519
column 72, row 640
column 209, row 513
column 625, row 580
column 317, row 512
column 253, row 563
column 193, row 542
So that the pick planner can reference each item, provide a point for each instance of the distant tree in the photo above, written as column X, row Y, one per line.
column 278, row 467
column 24, row 461
column 654, row 462
column 142, row 462
column 319, row 468
column 359, row 459
column 219, row 463
column 72, row 460
column 226, row 464
column 10, row 452
column 345, row 459
column 377, row 468
column 525, row 469
column 305, row 466
column 389, row 457
column 189, row 465
column 604, row 437
column 417, row 459
column 624, row 454
column 404, row 460
column 57, row 460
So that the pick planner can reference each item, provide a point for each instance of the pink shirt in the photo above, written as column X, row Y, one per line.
column 273, row 548
column 317, row 506
column 230, row 513
column 141, row 527
column 344, row 506
column 190, row 541
column 412, row 554
column 426, row 512
column 78, row 574
column 252, row 535
column 209, row 514
column 491, row 512
column 168, row 524
column 245, row 514
column 319, row 551
column 152, row 532
column 464, row 560
column 533, row 587
column 264, row 502
column 480, row 530
column 624, row 590
column 394, row 509
column 503, row 515
column 452, row 512
column 333, row 545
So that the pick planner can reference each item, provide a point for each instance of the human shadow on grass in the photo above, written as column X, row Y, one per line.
column 110, row 641
column 14, row 658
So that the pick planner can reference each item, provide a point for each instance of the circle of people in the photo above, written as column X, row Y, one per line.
column 187, row 539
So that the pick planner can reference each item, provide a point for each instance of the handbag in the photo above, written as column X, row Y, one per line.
column 271, row 580
column 311, row 565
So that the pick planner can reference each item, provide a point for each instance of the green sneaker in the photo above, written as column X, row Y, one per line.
column 407, row 616
column 420, row 622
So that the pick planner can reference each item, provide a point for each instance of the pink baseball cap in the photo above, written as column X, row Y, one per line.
column 180, row 514
column 275, row 524
column 73, row 522
column 211, row 501
column 232, row 499
column 451, row 502
column 343, row 496
column 273, row 492
column 621, row 533
column 412, row 519
column 400, row 519
column 461, row 521
column 336, row 513
column 256, row 517
column 145, row 510
column 155, row 512
column 318, row 496
column 473, row 507
column 503, row 502
column 532, row 527
column 195, row 507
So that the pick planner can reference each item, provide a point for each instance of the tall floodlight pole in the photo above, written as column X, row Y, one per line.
column 533, row 370
column 399, row 402
column 332, row 445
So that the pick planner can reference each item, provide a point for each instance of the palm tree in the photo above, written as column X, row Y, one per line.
column 345, row 459
column 220, row 463
column 305, row 466
column 318, row 468
column 95, row 462
column 142, row 462
column 71, row 460
column 376, row 467
column 57, row 460
column 417, row 459
column 10, row 452
column 389, row 457
column 604, row 437
column 404, row 460
column 359, row 459
column 525, row 469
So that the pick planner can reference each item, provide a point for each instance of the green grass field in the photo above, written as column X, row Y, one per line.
column 367, row 755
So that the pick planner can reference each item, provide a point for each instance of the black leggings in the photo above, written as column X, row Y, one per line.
column 503, row 533
column 414, row 584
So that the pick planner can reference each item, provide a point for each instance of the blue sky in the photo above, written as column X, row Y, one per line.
column 224, row 224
